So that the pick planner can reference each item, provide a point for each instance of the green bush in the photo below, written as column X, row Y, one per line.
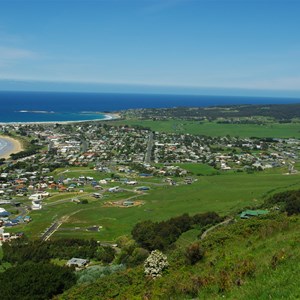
column 35, row 281
column 194, row 253
column 161, row 235
column 93, row 273
column 289, row 200
column 21, row 250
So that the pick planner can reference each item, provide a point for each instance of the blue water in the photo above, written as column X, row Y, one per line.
column 50, row 106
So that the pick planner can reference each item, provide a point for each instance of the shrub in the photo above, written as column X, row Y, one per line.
column 137, row 257
column 289, row 200
column 91, row 274
column 106, row 254
column 155, row 264
column 293, row 207
column 194, row 253
column 277, row 258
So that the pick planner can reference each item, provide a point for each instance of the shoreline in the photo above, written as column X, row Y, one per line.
column 16, row 146
column 107, row 117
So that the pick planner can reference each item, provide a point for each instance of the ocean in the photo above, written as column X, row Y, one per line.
column 58, row 107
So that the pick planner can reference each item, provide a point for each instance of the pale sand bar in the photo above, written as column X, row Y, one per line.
column 16, row 146
column 108, row 116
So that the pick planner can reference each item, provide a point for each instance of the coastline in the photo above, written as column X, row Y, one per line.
column 107, row 117
column 16, row 146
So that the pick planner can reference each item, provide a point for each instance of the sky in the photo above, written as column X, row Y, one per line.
column 184, row 46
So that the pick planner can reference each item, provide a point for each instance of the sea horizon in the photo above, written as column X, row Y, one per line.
column 41, row 107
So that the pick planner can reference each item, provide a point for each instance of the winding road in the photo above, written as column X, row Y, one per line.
column 205, row 233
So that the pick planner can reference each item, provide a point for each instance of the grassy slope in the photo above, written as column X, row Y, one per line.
column 266, row 248
column 251, row 259
column 215, row 129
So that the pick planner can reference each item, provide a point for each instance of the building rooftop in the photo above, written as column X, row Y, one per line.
column 253, row 213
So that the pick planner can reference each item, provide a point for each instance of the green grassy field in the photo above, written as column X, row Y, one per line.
column 196, row 169
column 72, row 172
column 225, row 193
column 215, row 129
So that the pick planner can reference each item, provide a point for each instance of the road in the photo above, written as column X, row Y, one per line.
column 54, row 226
column 84, row 145
column 22, row 211
column 147, row 159
column 205, row 233
column 50, row 230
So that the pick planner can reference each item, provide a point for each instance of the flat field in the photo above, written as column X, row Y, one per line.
column 76, row 172
column 225, row 193
column 285, row 130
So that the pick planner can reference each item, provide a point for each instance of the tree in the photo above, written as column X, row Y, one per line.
column 144, row 233
column 106, row 254
column 206, row 218
column 293, row 206
column 183, row 222
column 35, row 281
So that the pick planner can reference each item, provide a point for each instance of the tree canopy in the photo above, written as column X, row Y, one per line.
column 35, row 281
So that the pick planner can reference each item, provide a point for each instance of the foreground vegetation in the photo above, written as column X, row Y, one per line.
column 249, row 259
column 35, row 281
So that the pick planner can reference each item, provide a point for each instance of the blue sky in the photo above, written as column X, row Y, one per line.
column 179, row 45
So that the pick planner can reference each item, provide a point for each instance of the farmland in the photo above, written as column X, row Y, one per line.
column 271, row 129
column 225, row 193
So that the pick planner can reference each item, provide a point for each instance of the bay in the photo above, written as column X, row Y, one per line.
column 58, row 106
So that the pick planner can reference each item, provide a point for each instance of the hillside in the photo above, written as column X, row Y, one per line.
column 245, row 112
column 248, row 259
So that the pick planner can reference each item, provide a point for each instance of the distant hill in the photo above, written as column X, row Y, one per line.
column 279, row 112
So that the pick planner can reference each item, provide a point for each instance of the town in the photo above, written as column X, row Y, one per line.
column 126, row 157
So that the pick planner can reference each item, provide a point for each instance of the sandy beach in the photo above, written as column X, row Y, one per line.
column 15, row 147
